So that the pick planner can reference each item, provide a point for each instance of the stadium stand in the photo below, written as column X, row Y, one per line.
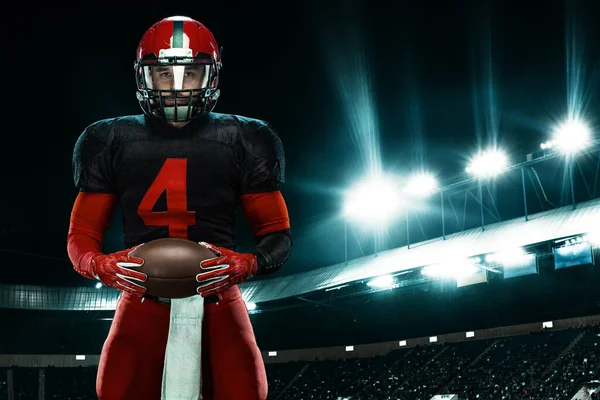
column 547, row 364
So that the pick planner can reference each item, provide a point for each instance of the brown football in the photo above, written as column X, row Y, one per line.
column 171, row 265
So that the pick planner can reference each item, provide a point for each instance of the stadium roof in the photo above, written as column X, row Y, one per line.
column 541, row 227
column 510, row 234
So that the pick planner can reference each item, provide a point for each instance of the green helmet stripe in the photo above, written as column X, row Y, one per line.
column 177, row 34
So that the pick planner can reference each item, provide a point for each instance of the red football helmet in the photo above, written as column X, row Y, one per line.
column 177, row 70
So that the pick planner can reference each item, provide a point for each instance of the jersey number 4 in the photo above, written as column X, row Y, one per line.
column 172, row 179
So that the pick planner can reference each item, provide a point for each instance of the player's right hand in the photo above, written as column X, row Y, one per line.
column 118, row 270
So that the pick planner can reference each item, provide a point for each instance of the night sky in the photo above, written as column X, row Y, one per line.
column 431, row 80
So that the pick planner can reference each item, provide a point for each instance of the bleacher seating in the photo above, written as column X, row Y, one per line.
column 71, row 383
column 551, row 365
column 512, row 365
column 581, row 364
column 3, row 384
column 280, row 375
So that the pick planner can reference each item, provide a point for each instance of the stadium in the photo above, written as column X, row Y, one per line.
column 442, row 175
column 496, row 295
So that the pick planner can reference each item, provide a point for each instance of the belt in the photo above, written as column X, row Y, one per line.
column 210, row 299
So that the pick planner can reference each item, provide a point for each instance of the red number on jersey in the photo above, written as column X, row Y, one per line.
column 172, row 179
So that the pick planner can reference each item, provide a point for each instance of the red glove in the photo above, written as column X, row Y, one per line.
column 116, row 270
column 227, row 269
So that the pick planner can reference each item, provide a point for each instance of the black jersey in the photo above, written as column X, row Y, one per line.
column 179, row 182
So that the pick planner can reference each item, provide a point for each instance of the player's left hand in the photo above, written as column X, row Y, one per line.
column 227, row 269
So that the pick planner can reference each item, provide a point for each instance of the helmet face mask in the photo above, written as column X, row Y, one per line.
column 177, row 84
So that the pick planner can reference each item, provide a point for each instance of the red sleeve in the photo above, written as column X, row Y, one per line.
column 90, row 218
column 265, row 212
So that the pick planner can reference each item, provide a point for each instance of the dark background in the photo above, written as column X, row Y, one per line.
column 431, row 81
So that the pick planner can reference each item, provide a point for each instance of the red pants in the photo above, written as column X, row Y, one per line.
column 131, row 364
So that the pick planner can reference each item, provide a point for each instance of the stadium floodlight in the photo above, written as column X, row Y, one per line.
column 451, row 269
column 251, row 306
column 421, row 185
column 488, row 163
column 507, row 257
column 382, row 282
column 98, row 285
column 592, row 238
column 373, row 201
column 570, row 136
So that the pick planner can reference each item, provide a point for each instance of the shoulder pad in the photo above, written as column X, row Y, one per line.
column 91, row 155
column 264, row 143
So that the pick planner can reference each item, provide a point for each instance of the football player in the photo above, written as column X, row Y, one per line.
column 179, row 170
